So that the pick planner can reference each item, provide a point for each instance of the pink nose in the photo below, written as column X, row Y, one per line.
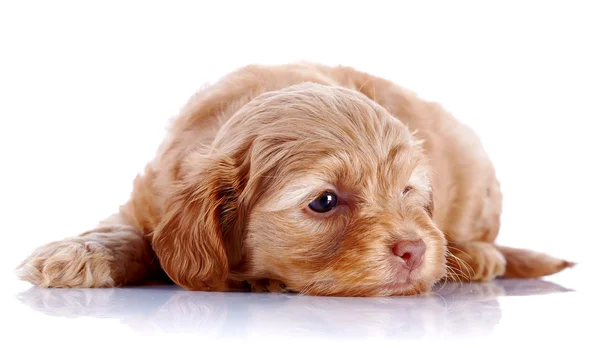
column 410, row 251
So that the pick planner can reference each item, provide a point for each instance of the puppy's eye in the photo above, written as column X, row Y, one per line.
column 407, row 189
column 324, row 203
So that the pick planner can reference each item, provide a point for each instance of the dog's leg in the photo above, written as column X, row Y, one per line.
column 523, row 263
column 117, row 252
column 112, row 254
column 474, row 261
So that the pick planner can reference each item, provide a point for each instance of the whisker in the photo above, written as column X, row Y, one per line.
column 364, row 83
column 462, row 264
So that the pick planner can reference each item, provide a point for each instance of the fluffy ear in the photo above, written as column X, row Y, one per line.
column 189, row 239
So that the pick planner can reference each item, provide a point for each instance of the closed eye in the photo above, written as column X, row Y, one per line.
column 407, row 189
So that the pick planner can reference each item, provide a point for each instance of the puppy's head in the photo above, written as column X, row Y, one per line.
column 315, row 186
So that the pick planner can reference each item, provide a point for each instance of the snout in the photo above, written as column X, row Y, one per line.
column 410, row 252
column 407, row 260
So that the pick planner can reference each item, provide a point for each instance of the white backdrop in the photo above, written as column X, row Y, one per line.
column 87, row 88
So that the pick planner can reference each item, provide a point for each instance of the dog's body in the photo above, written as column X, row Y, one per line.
column 213, row 209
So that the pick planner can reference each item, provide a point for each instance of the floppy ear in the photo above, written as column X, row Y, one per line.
column 189, row 239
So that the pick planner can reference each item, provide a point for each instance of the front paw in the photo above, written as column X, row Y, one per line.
column 70, row 263
column 476, row 261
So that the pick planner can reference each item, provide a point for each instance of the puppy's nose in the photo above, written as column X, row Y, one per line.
column 410, row 251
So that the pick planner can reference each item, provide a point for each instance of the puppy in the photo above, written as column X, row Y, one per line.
column 305, row 178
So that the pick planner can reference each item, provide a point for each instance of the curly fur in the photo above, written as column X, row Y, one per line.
column 224, row 202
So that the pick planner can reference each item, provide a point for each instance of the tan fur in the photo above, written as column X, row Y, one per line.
column 522, row 263
column 225, row 200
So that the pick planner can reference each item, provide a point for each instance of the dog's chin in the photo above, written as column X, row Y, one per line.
column 401, row 289
column 399, row 284
column 382, row 289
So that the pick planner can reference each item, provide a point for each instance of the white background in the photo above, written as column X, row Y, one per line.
column 87, row 88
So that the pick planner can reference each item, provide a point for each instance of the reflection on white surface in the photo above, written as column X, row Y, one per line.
column 454, row 309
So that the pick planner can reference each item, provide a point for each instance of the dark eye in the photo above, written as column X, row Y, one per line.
column 324, row 203
column 407, row 189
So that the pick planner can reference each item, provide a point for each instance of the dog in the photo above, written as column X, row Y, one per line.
column 304, row 178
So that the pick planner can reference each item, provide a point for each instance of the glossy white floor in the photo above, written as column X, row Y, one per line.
column 504, row 311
